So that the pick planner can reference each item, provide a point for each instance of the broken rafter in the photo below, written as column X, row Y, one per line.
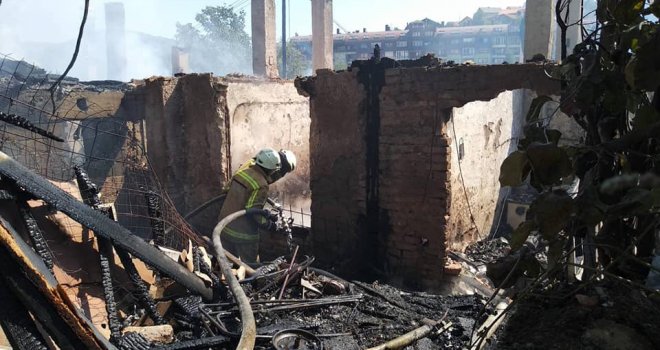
column 23, row 123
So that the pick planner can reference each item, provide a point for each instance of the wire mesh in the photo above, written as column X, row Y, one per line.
column 108, row 142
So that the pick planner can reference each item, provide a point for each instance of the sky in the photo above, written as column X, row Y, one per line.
column 57, row 21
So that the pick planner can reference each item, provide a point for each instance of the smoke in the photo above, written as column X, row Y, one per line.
column 44, row 33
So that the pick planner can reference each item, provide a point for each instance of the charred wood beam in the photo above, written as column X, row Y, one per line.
column 141, row 291
column 32, row 298
column 36, row 236
column 88, row 190
column 40, row 188
column 156, row 217
column 133, row 341
column 105, row 256
column 23, row 123
column 90, row 195
column 20, row 329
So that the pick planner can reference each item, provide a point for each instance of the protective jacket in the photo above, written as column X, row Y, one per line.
column 248, row 189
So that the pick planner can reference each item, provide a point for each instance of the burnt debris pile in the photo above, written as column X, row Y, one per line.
column 487, row 251
column 156, row 297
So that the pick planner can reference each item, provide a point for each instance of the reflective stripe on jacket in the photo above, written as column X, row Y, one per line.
column 248, row 189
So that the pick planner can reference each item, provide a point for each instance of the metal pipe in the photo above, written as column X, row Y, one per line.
column 249, row 327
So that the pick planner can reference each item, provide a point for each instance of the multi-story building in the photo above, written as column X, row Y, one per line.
column 490, row 37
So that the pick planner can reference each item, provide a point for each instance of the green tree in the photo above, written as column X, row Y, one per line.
column 296, row 62
column 606, row 84
column 339, row 61
column 217, row 42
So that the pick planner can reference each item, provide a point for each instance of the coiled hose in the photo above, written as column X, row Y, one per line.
column 249, row 327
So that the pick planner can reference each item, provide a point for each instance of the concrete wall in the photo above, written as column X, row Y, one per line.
column 264, row 47
column 539, row 23
column 418, row 205
column 322, row 42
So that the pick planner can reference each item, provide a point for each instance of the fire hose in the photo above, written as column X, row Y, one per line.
column 249, row 327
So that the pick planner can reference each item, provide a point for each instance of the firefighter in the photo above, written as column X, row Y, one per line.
column 249, row 189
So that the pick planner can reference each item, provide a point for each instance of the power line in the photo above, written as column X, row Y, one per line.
column 242, row 5
column 233, row 4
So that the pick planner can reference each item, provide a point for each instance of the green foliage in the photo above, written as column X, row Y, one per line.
column 340, row 62
column 217, row 42
column 296, row 62
column 606, row 86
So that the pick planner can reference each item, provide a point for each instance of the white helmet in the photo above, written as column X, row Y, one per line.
column 269, row 159
column 288, row 158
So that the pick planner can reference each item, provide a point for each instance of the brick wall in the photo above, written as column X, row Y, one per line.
column 186, row 139
column 413, row 161
column 337, row 173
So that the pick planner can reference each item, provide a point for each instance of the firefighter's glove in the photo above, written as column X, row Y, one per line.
column 269, row 222
column 270, row 226
column 274, row 216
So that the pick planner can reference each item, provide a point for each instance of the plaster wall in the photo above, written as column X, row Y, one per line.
column 271, row 114
column 482, row 134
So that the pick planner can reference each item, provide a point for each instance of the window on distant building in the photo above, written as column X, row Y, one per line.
column 482, row 61
column 389, row 54
column 499, row 40
column 417, row 34
column 468, row 51
column 401, row 55
column 428, row 33
column 468, row 40
column 515, row 40
column 401, row 43
column 484, row 40
column 418, row 43
column 364, row 46
column 454, row 51
column 455, row 41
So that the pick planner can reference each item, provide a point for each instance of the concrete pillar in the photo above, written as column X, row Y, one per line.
column 115, row 40
column 539, row 36
column 264, row 45
column 180, row 61
column 322, row 50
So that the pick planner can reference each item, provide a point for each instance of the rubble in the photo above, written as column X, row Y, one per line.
column 487, row 250
column 288, row 298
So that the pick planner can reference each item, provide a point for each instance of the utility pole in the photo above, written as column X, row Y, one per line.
column 284, row 39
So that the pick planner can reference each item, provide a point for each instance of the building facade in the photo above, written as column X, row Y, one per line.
column 490, row 37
